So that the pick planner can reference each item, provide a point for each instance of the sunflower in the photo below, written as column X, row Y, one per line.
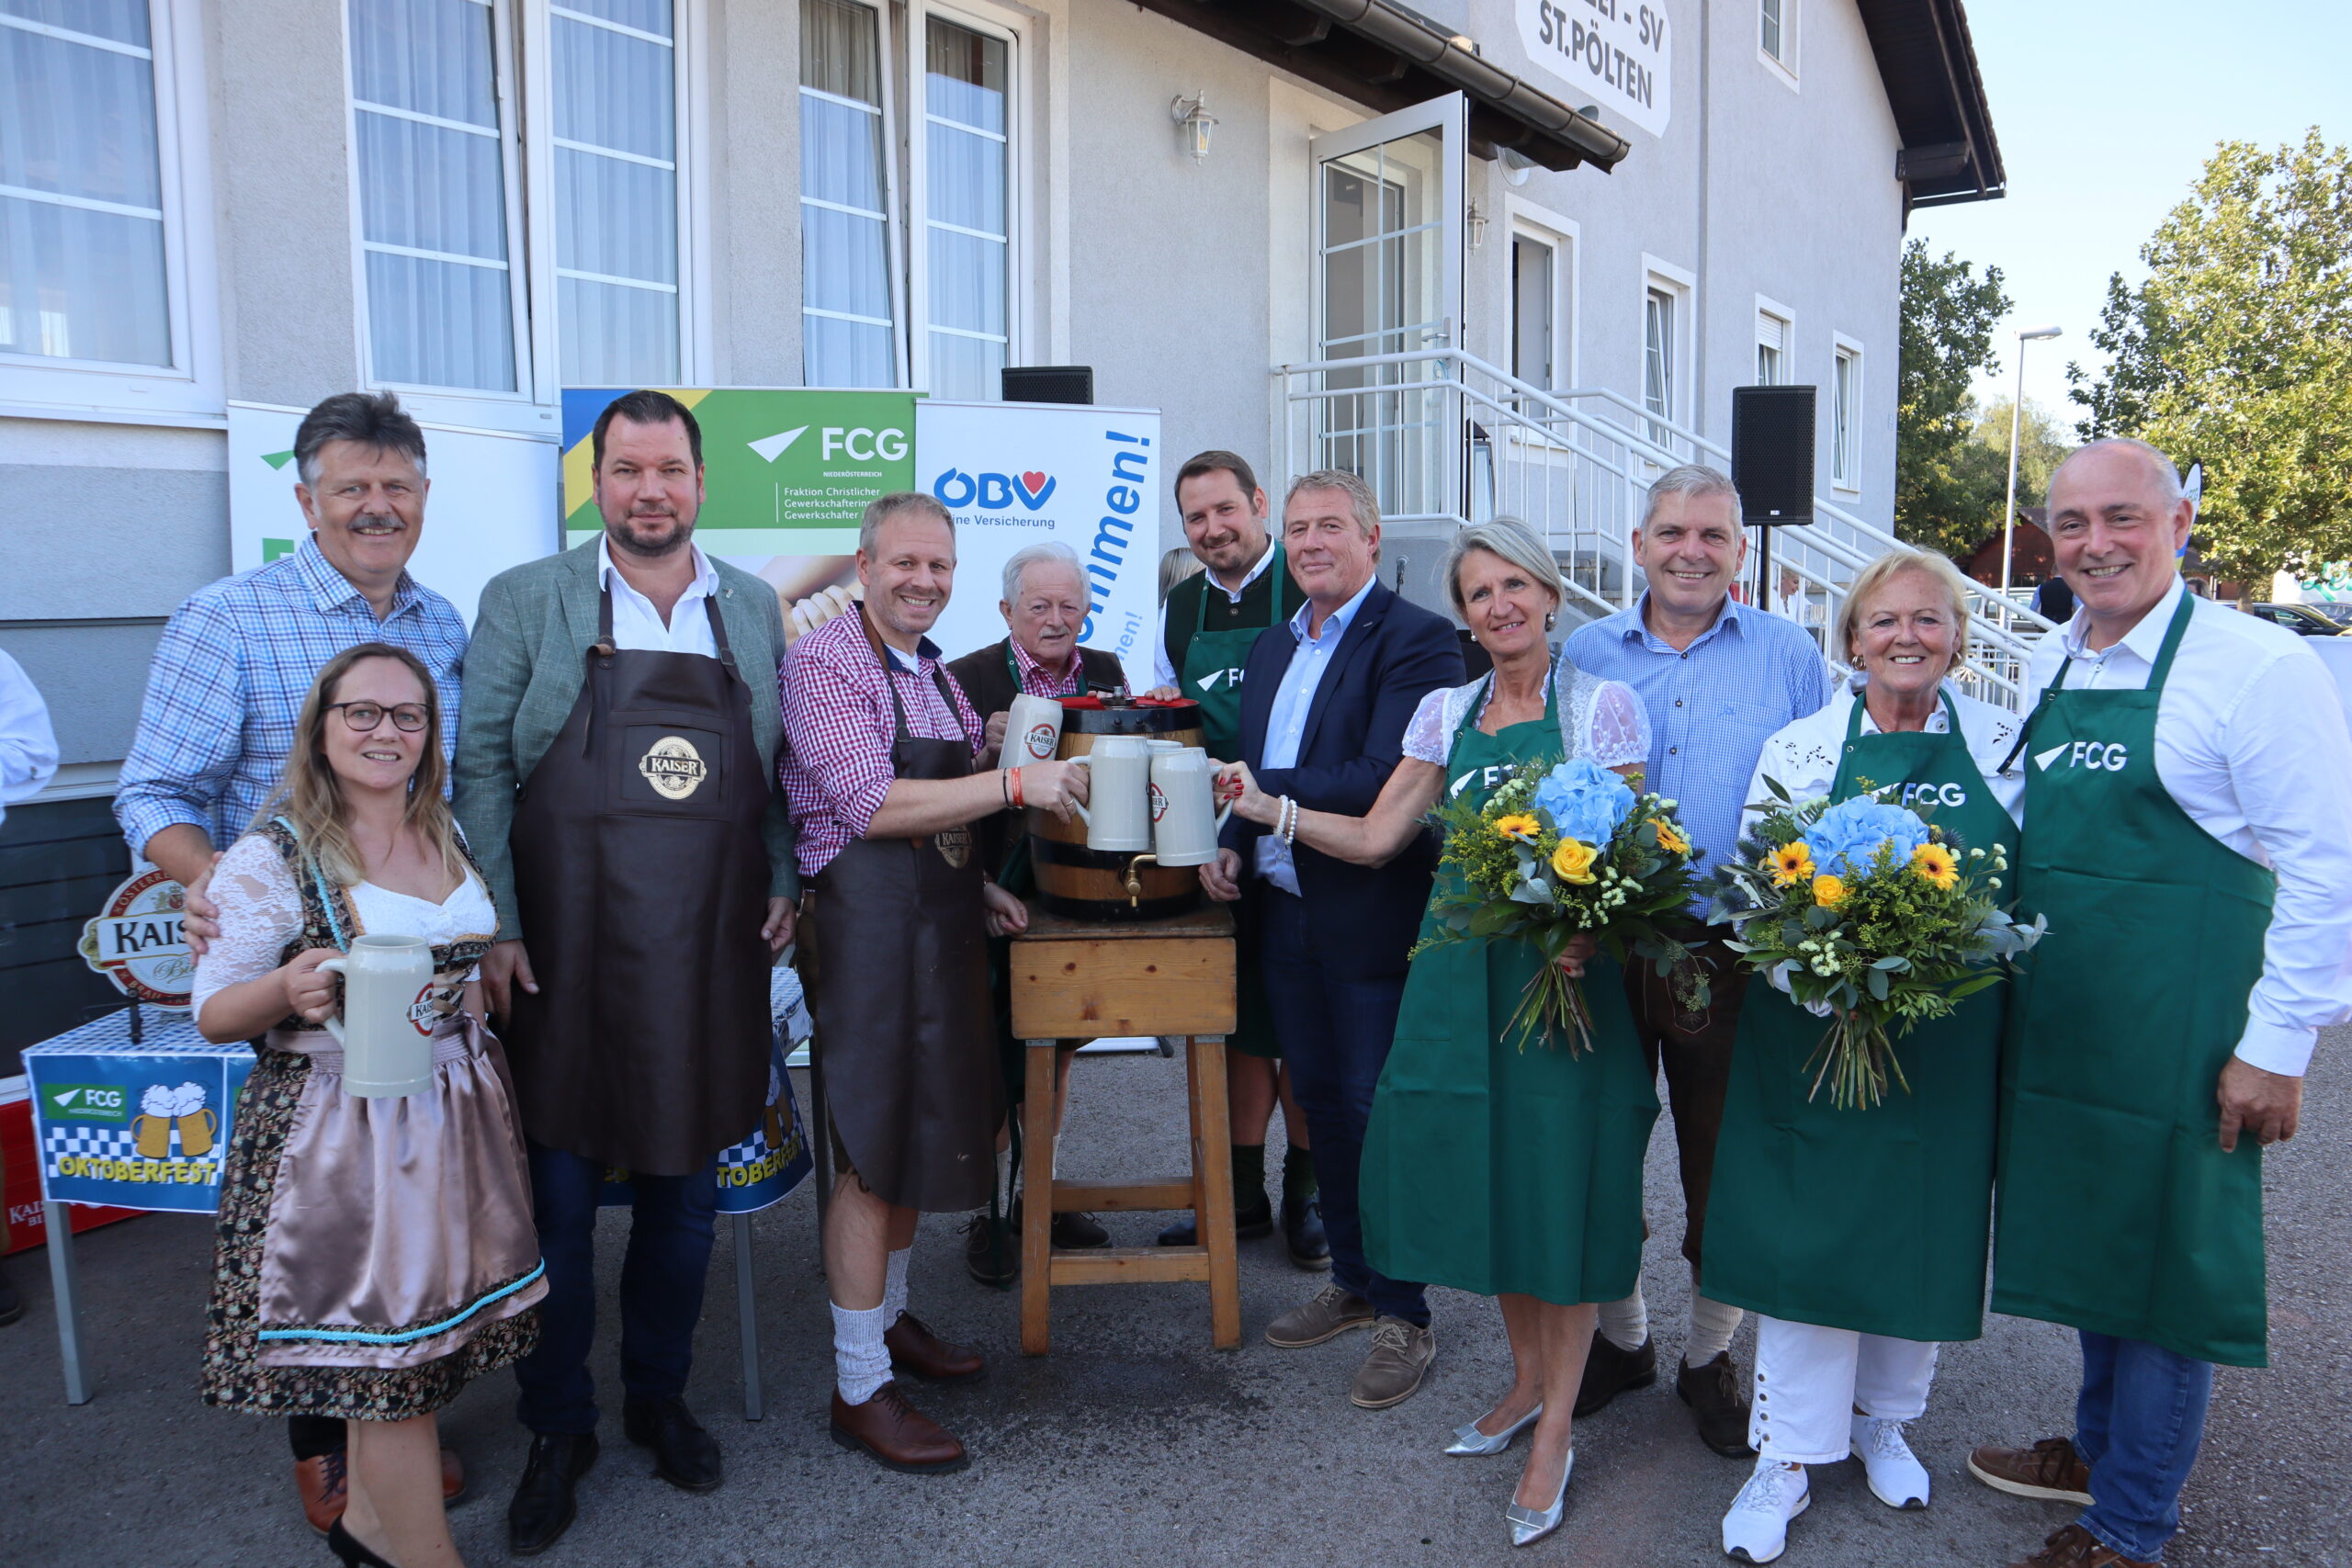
column 1573, row 862
column 1669, row 837
column 1791, row 863
column 1828, row 891
column 1935, row 863
column 1517, row 825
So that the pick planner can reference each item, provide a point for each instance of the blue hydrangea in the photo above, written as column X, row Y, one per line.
column 1584, row 800
column 1845, row 839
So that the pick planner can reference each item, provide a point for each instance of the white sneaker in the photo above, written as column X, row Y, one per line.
column 1897, row 1478
column 1756, row 1528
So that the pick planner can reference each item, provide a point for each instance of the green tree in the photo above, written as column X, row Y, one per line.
column 2237, row 353
column 1948, row 317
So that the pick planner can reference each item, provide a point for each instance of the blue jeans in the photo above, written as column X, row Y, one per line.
column 661, row 1281
column 2137, row 1424
column 1335, row 1034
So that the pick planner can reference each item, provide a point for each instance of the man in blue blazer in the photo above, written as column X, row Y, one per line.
column 1325, row 696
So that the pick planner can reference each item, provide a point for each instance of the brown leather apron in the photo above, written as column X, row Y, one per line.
column 899, row 990
column 641, row 880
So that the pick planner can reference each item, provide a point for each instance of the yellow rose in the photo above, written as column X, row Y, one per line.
column 1791, row 864
column 1668, row 840
column 1517, row 825
column 1828, row 891
column 1935, row 863
column 1573, row 862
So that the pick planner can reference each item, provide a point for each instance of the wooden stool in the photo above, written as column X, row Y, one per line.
column 1076, row 980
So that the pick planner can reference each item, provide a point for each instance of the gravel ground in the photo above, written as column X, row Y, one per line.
column 1135, row 1442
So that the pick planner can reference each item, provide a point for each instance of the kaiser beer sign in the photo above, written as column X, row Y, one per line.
column 137, row 941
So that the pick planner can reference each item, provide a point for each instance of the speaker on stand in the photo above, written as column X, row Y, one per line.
column 1772, row 464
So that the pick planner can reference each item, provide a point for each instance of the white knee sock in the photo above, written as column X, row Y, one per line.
column 894, row 1287
column 1711, row 1327
column 861, row 1361
column 1626, row 1324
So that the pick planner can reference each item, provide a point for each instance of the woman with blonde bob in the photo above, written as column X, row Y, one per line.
column 1857, row 1236
column 374, row 1253
column 1509, row 1173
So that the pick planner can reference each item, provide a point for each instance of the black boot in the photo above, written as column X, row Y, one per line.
column 684, row 1454
column 1253, row 1214
column 1301, row 1214
column 544, row 1505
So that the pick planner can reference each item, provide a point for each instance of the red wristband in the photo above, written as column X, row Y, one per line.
column 1015, row 775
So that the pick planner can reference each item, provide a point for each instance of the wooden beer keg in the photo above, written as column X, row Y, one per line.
column 1104, row 886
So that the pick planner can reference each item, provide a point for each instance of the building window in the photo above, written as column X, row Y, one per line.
column 967, row 199
column 1773, row 36
column 849, row 333
column 1534, row 298
column 82, row 254
column 1772, row 345
column 1845, row 418
column 614, row 70
column 434, row 151
column 1657, row 358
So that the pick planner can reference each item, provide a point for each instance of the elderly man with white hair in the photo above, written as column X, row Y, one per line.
column 2188, row 838
column 1043, row 606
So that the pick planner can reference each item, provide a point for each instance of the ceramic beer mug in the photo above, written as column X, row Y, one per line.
column 1033, row 729
column 1118, row 816
column 387, row 1026
column 1184, row 823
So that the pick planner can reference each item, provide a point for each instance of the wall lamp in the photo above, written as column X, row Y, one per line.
column 1192, row 117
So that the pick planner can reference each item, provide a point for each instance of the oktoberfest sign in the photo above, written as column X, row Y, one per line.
column 137, row 941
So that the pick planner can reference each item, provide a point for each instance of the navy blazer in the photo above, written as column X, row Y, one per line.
column 1394, row 653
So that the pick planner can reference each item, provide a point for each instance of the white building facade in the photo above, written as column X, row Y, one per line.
column 478, row 202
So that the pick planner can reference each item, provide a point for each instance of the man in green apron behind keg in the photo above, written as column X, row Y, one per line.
column 2187, row 836
column 1205, row 630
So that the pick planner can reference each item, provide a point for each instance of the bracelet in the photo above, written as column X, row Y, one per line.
column 1004, row 786
column 1012, row 785
column 1289, row 822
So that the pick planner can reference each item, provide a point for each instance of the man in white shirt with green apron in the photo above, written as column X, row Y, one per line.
column 1205, row 630
column 2188, row 835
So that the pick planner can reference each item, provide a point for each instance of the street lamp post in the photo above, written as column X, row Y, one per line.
column 2009, row 510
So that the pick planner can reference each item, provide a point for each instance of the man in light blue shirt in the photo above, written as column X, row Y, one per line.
column 1718, row 678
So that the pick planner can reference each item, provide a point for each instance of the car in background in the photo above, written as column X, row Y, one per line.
column 2304, row 620
column 2336, row 610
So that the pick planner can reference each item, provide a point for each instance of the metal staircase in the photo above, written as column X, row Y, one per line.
column 1445, row 439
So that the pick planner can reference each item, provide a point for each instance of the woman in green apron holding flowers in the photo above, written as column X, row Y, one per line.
column 1858, row 1235
column 1507, row 1172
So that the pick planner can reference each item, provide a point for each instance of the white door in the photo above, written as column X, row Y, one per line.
column 1387, row 206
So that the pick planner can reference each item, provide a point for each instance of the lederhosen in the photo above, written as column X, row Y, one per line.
column 642, row 881
column 899, row 991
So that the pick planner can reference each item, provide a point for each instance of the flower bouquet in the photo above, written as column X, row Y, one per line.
column 1554, row 853
column 1868, row 915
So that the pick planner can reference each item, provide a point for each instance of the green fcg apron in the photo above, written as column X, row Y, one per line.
column 1872, row 1220
column 1489, row 1168
column 2120, row 1213
column 1212, row 677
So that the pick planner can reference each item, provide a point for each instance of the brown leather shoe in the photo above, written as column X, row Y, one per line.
column 1712, row 1392
column 915, row 1348
column 896, row 1435
column 2075, row 1547
column 325, row 1486
column 2050, row 1469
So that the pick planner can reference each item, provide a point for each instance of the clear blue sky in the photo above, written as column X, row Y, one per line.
column 2106, row 111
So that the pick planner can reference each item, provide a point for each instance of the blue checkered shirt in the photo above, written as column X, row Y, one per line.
column 229, row 679
column 1712, row 706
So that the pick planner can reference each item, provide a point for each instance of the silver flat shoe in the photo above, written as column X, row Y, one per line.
column 1527, row 1526
column 1471, row 1443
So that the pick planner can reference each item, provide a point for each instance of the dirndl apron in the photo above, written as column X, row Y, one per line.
column 895, row 943
column 1490, row 1168
column 1875, row 1219
column 2120, row 1213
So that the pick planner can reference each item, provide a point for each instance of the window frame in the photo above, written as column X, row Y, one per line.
column 1785, row 64
column 1680, row 285
column 189, row 389
column 1019, row 34
column 1769, row 308
column 896, row 185
column 1565, row 235
column 1846, row 407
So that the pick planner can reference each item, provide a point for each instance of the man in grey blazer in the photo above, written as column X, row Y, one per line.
column 615, row 777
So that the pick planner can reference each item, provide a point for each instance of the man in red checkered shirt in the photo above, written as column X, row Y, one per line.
column 885, row 767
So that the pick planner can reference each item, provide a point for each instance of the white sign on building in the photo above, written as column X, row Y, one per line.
column 1618, row 54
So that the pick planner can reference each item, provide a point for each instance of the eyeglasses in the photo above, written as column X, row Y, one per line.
column 364, row 717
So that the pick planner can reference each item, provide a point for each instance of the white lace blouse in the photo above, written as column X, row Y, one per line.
column 261, row 911
column 1803, row 758
column 1604, row 720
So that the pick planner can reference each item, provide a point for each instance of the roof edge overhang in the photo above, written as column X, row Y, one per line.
column 1927, row 61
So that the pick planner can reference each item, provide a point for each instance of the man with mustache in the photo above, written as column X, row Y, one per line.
column 613, row 777
column 1719, row 679
column 227, row 684
column 887, row 772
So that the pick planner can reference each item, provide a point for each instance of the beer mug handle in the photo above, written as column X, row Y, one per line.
column 1224, row 814
column 334, row 1024
column 1084, row 760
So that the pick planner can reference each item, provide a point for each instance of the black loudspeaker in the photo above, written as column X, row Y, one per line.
column 1771, row 453
column 1048, row 383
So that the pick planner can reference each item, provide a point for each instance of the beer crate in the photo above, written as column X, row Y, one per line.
column 24, row 1222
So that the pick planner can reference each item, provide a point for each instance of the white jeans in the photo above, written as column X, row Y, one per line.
column 1810, row 1380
